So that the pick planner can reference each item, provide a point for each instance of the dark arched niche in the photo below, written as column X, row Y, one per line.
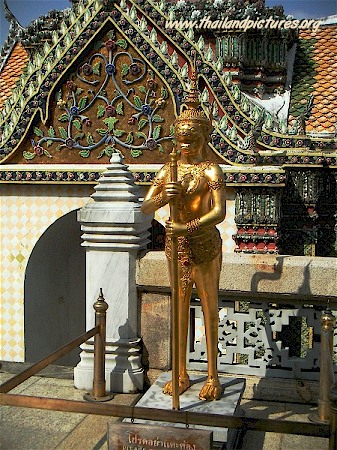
column 55, row 291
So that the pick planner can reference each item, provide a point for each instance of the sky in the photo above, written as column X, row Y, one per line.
column 27, row 10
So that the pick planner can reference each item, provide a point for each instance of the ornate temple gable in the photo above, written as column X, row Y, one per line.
column 111, row 102
column 315, row 73
column 13, row 35
column 51, row 65
column 15, row 63
column 13, row 56
column 53, row 70
column 244, row 134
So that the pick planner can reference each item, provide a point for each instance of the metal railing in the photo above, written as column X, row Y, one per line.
column 99, row 395
column 99, row 331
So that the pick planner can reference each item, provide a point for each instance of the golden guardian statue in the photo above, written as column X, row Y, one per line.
column 195, row 189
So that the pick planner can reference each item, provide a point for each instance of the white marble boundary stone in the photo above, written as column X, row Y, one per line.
column 114, row 231
column 298, row 276
column 189, row 401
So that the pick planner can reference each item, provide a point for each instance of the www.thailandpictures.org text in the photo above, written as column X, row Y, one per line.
column 245, row 24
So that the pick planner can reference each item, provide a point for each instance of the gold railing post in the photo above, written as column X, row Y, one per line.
column 326, row 377
column 174, row 290
column 333, row 418
column 98, row 390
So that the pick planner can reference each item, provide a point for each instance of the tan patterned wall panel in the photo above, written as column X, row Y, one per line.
column 26, row 213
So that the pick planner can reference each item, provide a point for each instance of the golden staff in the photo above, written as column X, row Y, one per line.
column 174, row 289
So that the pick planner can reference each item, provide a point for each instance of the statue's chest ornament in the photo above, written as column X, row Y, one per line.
column 190, row 176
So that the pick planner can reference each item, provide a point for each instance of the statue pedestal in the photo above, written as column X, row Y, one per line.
column 189, row 401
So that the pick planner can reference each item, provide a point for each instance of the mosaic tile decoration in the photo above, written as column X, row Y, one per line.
column 315, row 73
column 12, row 71
column 26, row 213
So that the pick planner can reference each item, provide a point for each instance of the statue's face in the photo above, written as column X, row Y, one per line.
column 190, row 139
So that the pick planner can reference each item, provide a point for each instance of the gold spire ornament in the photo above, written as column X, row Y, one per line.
column 195, row 190
column 193, row 113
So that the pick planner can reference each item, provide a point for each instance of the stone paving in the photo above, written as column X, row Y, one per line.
column 28, row 429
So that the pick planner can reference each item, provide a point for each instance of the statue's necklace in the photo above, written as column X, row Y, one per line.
column 190, row 175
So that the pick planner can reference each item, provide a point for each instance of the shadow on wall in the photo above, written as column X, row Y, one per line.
column 55, row 291
column 309, row 209
column 275, row 273
column 288, row 333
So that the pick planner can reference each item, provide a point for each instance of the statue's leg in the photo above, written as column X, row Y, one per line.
column 206, row 277
column 184, row 294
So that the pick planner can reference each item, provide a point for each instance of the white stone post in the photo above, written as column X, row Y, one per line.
column 114, row 231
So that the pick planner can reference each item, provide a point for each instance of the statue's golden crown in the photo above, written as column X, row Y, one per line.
column 192, row 112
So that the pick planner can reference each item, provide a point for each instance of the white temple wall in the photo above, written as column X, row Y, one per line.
column 27, row 211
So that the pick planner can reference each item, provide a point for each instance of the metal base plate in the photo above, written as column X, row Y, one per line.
column 313, row 417
column 90, row 398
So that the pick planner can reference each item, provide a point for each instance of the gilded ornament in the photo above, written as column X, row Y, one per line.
column 193, row 225
column 217, row 184
column 158, row 199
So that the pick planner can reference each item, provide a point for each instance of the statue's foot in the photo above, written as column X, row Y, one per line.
column 211, row 390
column 183, row 385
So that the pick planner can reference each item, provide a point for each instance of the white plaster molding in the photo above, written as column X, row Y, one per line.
column 278, row 104
column 114, row 231
column 329, row 20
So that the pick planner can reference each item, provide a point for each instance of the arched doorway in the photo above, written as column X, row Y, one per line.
column 55, row 291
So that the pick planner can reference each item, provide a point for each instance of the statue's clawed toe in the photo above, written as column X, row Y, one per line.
column 211, row 390
column 183, row 385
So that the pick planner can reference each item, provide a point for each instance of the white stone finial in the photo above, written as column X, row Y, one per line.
column 116, row 184
column 116, row 158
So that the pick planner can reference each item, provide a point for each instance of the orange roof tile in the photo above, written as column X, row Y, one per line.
column 12, row 72
column 322, row 46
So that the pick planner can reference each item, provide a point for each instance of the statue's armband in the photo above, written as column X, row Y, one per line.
column 215, row 185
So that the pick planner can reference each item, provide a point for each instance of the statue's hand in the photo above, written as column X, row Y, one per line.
column 171, row 190
column 175, row 228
